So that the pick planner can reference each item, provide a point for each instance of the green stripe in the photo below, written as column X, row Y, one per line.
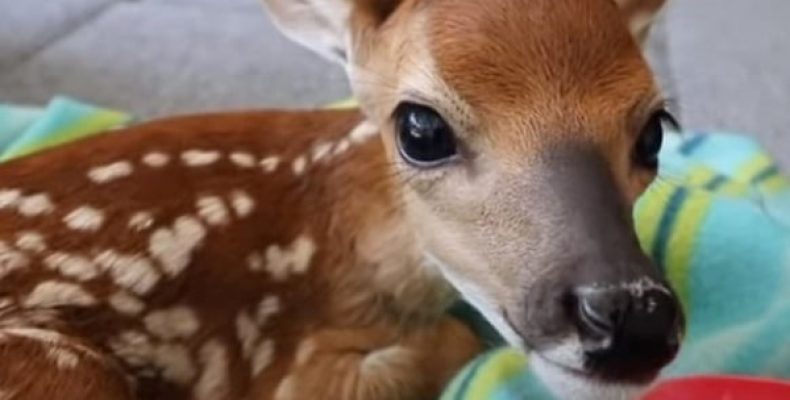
column 716, row 182
column 766, row 173
column 666, row 224
column 692, row 144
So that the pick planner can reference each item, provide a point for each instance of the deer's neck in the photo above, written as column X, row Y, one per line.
column 386, row 275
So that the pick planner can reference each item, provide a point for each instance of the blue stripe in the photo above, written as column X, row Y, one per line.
column 716, row 182
column 666, row 224
column 464, row 386
column 692, row 143
column 766, row 173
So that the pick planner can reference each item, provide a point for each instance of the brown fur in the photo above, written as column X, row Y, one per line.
column 344, row 292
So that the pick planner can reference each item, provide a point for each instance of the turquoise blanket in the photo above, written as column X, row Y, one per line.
column 717, row 220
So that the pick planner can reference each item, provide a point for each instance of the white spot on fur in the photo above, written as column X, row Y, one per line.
column 263, row 356
column 321, row 151
column 84, row 218
column 11, row 260
column 341, row 147
column 175, row 362
column 125, row 303
column 293, row 260
column 299, row 165
column 243, row 160
column 63, row 358
column 247, row 333
column 286, row 390
column 213, row 210
column 110, row 172
column 131, row 272
column 305, row 351
column 35, row 205
column 5, row 302
column 72, row 266
column 269, row 306
column 173, row 247
column 31, row 241
column 270, row 164
column 214, row 379
column 172, row 323
column 156, row 159
column 255, row 262
column 243, row 204
column 9, row 198
column 134, row 347
column 199, row 158
column 141, row 221
column 53, row 293
column 363, row 132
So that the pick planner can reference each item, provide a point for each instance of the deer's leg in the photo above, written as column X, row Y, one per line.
column 38, row 364
column 372, row 364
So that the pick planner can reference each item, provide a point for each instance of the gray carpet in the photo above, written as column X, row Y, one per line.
column 726, row 63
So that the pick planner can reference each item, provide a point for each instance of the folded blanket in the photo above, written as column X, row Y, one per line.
column 717, row 220
column 25, row 130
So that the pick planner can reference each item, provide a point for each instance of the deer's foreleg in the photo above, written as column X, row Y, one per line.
column 375, row 364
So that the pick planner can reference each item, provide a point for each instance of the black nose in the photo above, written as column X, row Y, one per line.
column 628, row 333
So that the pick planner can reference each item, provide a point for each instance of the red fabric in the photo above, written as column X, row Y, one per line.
column 720, row 388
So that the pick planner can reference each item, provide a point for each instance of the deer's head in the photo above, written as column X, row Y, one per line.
column 523, row 131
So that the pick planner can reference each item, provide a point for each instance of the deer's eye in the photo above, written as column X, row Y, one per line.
column 648, row 145
column 424, row 139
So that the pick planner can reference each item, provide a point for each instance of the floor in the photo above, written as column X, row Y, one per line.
column 725, row 63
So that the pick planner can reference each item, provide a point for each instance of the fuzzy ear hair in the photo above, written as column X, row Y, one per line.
column 640, row 15
column 320, row 25
column 324, row 25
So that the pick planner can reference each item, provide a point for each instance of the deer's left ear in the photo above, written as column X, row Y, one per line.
column 640, row 15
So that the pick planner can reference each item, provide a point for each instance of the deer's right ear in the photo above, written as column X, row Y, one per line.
column 325, row 25
column 321, row 25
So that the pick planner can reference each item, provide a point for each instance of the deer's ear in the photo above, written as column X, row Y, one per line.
column 321, row 25
column 640, row 15
column 325, row 25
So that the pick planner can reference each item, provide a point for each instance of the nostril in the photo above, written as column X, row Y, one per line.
column 599, row 315
column 603, row 321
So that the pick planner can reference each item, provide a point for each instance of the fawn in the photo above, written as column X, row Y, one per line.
column 312, row 255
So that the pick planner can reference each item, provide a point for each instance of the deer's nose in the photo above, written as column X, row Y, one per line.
column 628, row 333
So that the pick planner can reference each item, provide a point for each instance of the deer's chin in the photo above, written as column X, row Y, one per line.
column 573, row 382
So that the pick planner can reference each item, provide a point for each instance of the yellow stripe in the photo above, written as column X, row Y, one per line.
column 344, row 104
column 648, row 212
column 753, row 167
column 96, row 123
column 775, row 184
column 501, row 367
column 682, row 241
column 735, row 189
column 700, row 176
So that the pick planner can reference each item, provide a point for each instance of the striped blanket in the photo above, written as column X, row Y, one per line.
column 717, row 220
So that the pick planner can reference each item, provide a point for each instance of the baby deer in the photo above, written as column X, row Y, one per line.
column 312, row 255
